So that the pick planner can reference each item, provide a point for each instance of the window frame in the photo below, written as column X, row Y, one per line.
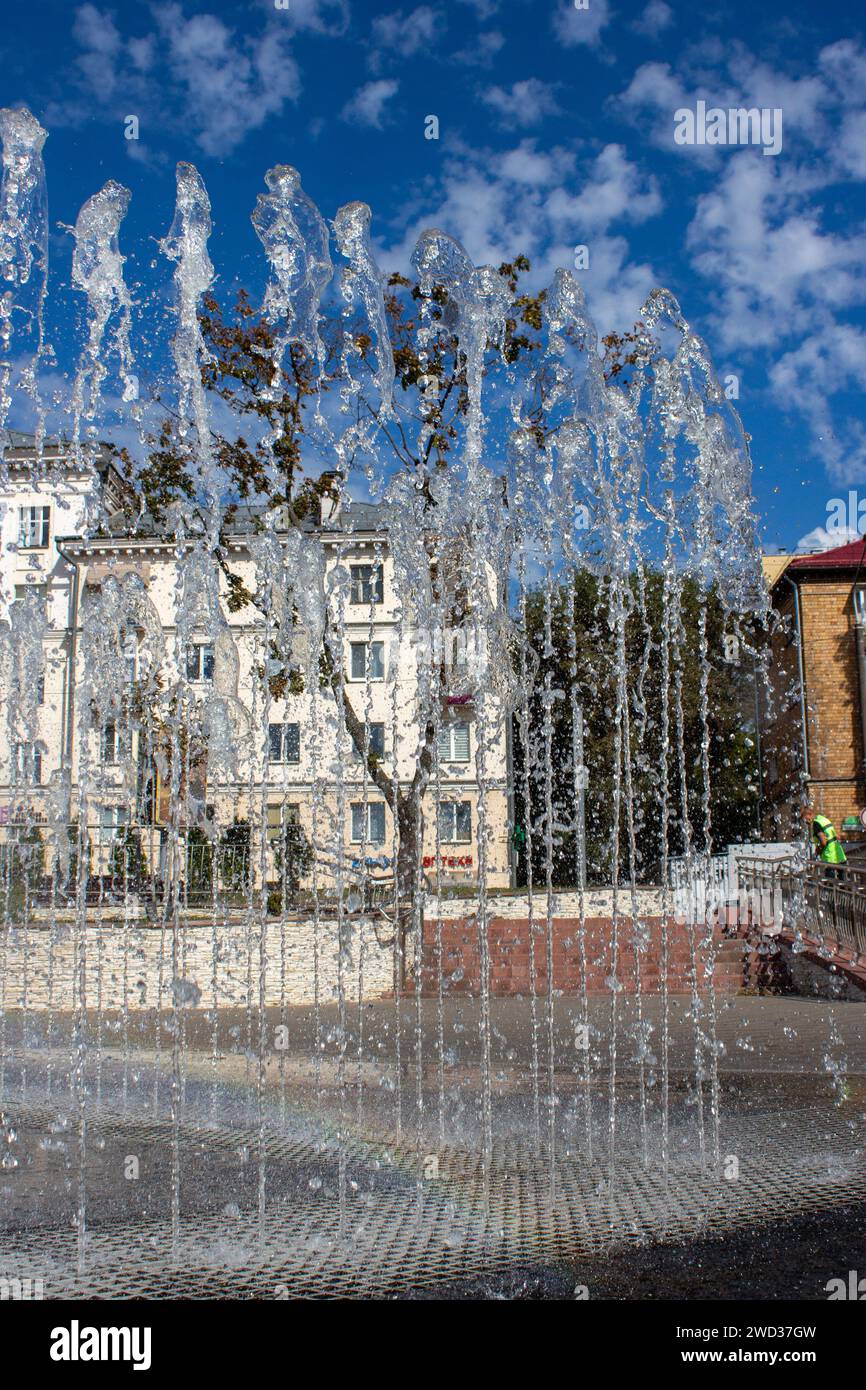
column 116, row 742
column 284, row 725
column 24, row 754
column 200, row 648
column 367, row 675
column 448, row 730
column 111, row 830
column 373, row 585
column 368, row 838
column 369, row 727
column 43, row 524
column 453, row 809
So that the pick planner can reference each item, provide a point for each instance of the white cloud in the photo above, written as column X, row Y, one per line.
column 573, row 27
column 196, row 73
column 821, row 539
column 96, row 31
column 520, row 201
column 230, row 83
column 100, row 42
column 524, row 104
column 367, row 106
column 770, row 264
column 613, row 189
column 525, row 165
column 655, row 19
column 830, row 362
column 783, row 271
column 851, row 145
column 317, row 16
column 732, row 77
column 404, row 35
column 483, row 8
column 481, row 52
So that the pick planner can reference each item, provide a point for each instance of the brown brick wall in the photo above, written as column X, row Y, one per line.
column 510, row 973
column 832, row 707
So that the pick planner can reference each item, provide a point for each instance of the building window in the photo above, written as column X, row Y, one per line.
column 376, row 661
column 112, row 743
column 27, row 768
column 284, row 821
column 199, row 661
column 374, row 832
column 34, row 524
column 454, row 743
column 367, row 584
column 40, row 690
column 111, row 820
column 130, row 656
column 284, row 743
column 455, row 822
column 375, row 742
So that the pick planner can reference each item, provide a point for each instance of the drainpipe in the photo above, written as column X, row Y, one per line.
column 73, row 651
column 860, row 642
column 509, row 775
column 798, row 615
column 759, row 751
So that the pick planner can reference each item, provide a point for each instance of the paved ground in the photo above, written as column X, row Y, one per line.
column 754, row 1033
column 372, row 1178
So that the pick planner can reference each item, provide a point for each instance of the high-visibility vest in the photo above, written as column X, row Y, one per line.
column 832, row 852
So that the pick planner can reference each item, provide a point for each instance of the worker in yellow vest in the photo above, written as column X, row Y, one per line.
column 824, row 837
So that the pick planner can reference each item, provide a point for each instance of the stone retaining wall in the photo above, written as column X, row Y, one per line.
column 216, row 968
column 220, row 967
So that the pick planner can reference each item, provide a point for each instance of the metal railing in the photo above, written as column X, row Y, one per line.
column 824, row 900
column 700, row 885
column 143, row 865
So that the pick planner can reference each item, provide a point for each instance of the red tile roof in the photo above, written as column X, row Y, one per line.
column 842, row 557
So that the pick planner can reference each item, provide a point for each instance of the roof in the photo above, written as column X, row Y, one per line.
column 20, row 447
column 842, row 557
column 363, row 516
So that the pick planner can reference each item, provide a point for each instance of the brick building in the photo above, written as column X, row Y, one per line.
column 814, row 713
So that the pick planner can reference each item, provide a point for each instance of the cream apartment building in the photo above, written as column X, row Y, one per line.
column 92, row 610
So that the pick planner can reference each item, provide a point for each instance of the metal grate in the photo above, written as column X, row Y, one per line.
column 399, row 1233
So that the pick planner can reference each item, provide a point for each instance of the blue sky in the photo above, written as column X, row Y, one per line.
column 556, row 129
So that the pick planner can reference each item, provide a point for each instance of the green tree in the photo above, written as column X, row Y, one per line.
column 431, row 385
column 199, row 865
column 579, row 624
column 293, row 858
column 128, row 859
column 22, row 864
column 234, row 856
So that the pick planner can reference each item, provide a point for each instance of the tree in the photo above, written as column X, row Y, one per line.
column 128, row 859
column 430, row 374
column 578, row 622
column 234, row 856
column 293, row 858
column 22, row 864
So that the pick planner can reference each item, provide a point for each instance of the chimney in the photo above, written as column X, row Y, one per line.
column 329, row 496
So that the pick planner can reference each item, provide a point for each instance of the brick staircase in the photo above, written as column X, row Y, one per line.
column 512, row 943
